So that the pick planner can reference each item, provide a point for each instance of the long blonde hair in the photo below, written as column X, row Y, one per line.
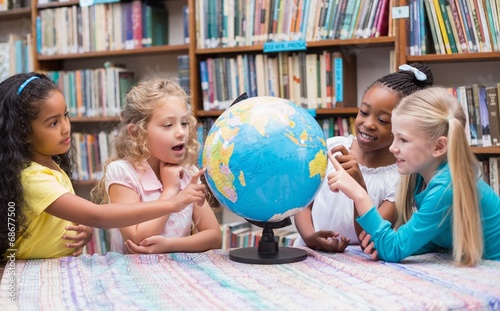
column 437, row 113
column 141, row 102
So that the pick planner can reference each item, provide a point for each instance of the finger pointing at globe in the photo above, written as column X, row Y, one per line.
column 341, row 180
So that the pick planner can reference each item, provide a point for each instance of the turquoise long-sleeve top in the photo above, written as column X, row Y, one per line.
column 430, row 227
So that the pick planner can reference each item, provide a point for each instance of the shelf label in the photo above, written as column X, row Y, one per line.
column 274, row 47
column 400, row 12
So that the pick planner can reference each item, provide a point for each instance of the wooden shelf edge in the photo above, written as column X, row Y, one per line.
column 15, row 14
column 337, row 111
column 173, row 49
column 322, row 112
column 94, row 119
column 459, row 57
column 57, row 4
column 485, row 150
column 360, row 43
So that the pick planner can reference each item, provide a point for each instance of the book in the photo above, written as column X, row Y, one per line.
column 432, row 27
column 477, row 113
column 461, row 95
column 458, row 22
column 485, row 120
column 472, row 116
column 493, row 115
column 155, row 23
column 183, row 72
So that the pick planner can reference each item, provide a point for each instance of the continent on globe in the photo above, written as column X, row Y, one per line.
column 265, row 158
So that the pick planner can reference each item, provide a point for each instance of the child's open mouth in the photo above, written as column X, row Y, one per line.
column 178, row 147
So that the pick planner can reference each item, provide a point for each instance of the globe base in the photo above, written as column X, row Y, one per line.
column 253, row 256
column 268, row 251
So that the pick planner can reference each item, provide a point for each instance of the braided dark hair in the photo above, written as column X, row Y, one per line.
column 404, row 82
column 20, row 104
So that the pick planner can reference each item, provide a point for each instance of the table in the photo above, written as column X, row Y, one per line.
column 211, row 281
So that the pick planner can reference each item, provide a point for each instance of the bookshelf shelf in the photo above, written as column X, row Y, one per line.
column 455, row 58
column 486, row 150
column 360, row 43
column 15, row 14
column 338, row 111
column 165, row 49
column 94, row 119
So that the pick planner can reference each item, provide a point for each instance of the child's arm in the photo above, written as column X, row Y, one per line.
column 171, row 176
column 387, row 209
column 76, row 209
column 208, row 236
column 122, row 194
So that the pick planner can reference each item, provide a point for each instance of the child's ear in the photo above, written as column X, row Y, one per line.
column 441, row 147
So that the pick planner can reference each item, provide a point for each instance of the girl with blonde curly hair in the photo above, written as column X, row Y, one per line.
column 154, row 158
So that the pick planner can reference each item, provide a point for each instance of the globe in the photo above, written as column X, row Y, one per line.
column 265, row 158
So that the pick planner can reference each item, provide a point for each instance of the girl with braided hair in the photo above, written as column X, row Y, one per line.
column 443, row 203
column 328, row 224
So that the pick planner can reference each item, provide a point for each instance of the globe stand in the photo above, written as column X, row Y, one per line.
column 268, row 251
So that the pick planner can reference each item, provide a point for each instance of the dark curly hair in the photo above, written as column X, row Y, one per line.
column 18, row 107
column 404, row 82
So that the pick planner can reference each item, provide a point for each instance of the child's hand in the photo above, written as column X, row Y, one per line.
column 341, row 179
column 368, row 246
column 80, row 239
column 152, row 245
column 348, row 162
column 193, row 193
column 328, row 241
column 171, row 176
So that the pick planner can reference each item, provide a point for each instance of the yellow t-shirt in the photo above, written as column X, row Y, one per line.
column 42, row 186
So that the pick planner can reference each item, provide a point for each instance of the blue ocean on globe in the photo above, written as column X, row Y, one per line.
column 265, row 158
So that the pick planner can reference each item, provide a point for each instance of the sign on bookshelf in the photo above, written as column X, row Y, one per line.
column 274, row 47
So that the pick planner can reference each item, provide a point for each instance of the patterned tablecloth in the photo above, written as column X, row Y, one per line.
column 211, row 281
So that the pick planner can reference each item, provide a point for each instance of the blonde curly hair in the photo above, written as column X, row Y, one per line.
column 141, row 102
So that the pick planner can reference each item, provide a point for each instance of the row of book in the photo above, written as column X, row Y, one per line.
column 481, row 105
column 92, row 150
column 99, row 244
column 6, row 5
column 491, row 170
column 454, row 26
column 242, row 234
column 311, row 80
column 94, row 92
column 101, row 27
column 15, row 55
column 238, row 23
